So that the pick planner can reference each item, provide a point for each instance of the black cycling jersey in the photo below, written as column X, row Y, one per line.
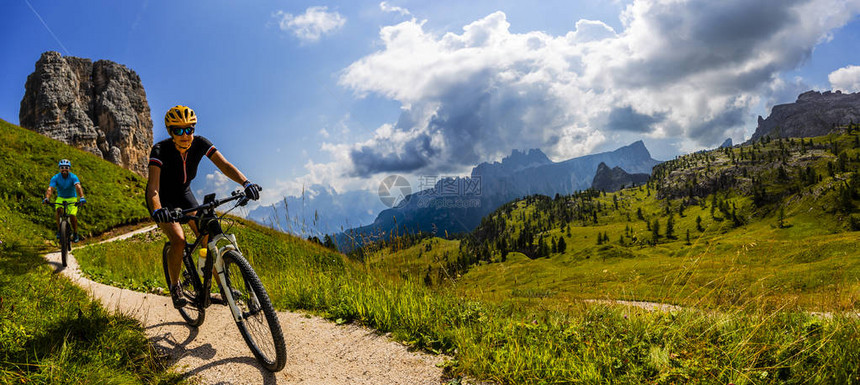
column 177, row 172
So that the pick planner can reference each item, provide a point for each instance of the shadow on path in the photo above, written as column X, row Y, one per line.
column 267, row 377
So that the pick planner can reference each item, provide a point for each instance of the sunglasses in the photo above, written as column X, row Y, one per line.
column 179, row 131
column 65, row 167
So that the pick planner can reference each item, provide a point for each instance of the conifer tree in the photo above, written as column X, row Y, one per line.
column 780, row 220
column 670, row 227
column 655, row 230
column 713, row 205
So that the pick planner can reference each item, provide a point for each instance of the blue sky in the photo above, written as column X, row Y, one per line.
column 345, row 93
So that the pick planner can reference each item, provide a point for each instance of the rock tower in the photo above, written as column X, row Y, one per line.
column 98, row 107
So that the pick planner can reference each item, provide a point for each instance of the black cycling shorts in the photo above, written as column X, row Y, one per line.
column 183, row 201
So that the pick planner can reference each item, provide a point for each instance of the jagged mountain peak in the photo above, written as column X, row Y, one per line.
column 636, row 149
column 614, row 179
column 518, row 160
column 534, row 155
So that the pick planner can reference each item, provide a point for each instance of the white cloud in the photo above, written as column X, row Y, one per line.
column 311, row 25
column 222, row 186
column 687, row 71
column 385, row 7
column 591, row 30
column 846, row 79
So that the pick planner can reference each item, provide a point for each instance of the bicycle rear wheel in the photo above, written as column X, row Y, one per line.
column 191, row 286
column 258, row 321
column 64, row 242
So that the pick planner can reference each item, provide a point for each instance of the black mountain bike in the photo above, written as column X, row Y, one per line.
column 65, row 229
column 241, row 289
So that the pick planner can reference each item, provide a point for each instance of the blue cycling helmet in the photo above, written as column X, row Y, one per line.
column 65, row 162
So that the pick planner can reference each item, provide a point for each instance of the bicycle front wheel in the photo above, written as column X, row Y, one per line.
column 191, row 286
column 258, row 321
column 64, row 242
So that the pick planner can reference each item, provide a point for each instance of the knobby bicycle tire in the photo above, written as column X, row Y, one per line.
column 191, row 288
column 64, row 242
column 259, row 323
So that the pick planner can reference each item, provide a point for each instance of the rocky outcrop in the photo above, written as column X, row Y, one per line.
column 614, row 179
column 98, row 107
column 813, row 114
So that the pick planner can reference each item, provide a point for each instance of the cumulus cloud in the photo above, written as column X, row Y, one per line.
column 846, row 79
column 591, row 30
column 311, row 25
column 686, row 71
column 385, row 7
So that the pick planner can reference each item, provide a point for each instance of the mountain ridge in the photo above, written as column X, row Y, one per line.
column 457, row 205
column 813, row 114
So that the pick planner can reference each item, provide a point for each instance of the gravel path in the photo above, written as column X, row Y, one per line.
column 318, row 351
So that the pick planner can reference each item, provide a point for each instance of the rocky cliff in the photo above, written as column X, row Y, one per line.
column 813, row 114
column 98, row 107
column 614, row 179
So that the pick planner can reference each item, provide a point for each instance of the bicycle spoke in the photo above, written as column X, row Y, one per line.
column 264, row 338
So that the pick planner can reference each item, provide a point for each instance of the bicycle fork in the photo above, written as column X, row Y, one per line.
column 224, row 280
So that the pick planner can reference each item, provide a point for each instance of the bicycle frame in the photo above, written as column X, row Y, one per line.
column 244, row 293
column 63, row 227
column 208, row 224
column 65, row 214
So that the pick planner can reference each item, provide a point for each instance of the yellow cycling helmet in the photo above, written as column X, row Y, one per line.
column 180, row 116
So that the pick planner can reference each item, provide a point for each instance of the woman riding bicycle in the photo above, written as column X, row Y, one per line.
column 69, row 189
column 172, row 166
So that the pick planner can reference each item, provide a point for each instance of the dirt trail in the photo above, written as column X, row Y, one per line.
column 318, row 351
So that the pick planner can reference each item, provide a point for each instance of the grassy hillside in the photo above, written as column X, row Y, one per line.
column 114, row 195
column 771, row 223
column 579, row 343
column 492, row 336
column 50, row 331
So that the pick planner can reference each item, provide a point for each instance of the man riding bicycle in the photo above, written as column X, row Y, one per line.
column 172, row 166
column 69, row 189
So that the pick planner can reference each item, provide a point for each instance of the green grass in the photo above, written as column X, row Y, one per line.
column 521, row 321
column 114, row 195
column 810, row 263
column 50, row 331
column 547, row 342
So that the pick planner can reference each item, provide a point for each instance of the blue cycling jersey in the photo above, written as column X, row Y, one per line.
column 65, row 186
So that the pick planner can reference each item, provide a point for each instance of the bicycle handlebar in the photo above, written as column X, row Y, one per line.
column 179, row 214
column 64, row 203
